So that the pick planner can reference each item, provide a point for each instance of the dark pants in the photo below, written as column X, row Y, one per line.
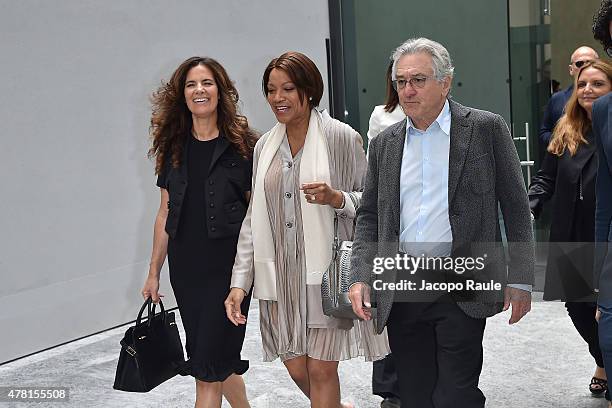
column 384, row 378
column 605, row 335
column 583, row 317
column 438, row 354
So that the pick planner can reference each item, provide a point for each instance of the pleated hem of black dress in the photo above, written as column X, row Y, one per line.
column 214, row 372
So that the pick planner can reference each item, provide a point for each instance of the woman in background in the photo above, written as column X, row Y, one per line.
column 203, row 154
column 568, row 177
column 308, row 169
column 388, row 114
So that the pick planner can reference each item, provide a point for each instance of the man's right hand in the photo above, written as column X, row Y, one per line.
column 232, row 306
column 359, row 295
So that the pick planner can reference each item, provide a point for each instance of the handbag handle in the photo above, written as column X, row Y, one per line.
column 336, row 237
column 148, row 303
column 162, row 310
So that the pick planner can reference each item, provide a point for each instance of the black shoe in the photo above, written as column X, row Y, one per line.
column 391, row 402
column 598, row 386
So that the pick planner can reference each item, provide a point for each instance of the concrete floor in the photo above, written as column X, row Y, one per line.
column 541, row 362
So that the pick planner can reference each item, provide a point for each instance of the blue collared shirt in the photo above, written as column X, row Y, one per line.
column 424, row 189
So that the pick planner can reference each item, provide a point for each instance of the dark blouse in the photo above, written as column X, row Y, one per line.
column 222, row 189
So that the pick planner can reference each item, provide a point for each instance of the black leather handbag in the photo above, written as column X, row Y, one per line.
column 151, row 351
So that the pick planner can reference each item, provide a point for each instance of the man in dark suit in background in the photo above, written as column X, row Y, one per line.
column 437, row 178
column 556, row 104
column 602, row 117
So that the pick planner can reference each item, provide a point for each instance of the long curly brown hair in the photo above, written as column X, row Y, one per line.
column 575, row 123
column 171, row 120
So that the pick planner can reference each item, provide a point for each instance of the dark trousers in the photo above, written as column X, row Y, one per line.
column 438, row 354
column 583, row 317
column 384, row 378
column 605, row 335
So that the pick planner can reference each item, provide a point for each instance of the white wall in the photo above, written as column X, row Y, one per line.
column 79, row 197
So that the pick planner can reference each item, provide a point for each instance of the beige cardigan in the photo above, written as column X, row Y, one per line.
column 347, row 171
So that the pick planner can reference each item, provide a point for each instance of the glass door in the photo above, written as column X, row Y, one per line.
column 530, row 88
column 530, row 81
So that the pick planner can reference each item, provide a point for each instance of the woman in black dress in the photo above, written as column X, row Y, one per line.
column 203, row 152
column 568, row 177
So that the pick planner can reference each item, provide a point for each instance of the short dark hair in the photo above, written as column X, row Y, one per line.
column 601, row 25
column 303, row 73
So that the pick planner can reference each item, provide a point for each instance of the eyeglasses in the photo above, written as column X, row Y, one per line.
column 580, row 63
column 415, row 82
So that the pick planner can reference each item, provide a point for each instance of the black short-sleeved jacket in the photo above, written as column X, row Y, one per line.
column 228, row 179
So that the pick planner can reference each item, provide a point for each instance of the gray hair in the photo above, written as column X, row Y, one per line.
column 441, row 60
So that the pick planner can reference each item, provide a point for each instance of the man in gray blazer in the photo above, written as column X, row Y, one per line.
column 433, row 187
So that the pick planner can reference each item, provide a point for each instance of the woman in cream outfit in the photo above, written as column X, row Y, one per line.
column 306, row 169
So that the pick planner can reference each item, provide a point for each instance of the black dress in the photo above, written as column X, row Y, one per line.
column 570, row 182
column 200, row 273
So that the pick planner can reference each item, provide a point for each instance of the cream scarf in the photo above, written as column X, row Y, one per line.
column 317, row 220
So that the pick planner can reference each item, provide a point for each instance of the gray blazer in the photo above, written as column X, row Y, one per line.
column 484, row 171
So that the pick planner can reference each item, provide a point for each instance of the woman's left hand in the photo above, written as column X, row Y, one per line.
column 319, row 192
